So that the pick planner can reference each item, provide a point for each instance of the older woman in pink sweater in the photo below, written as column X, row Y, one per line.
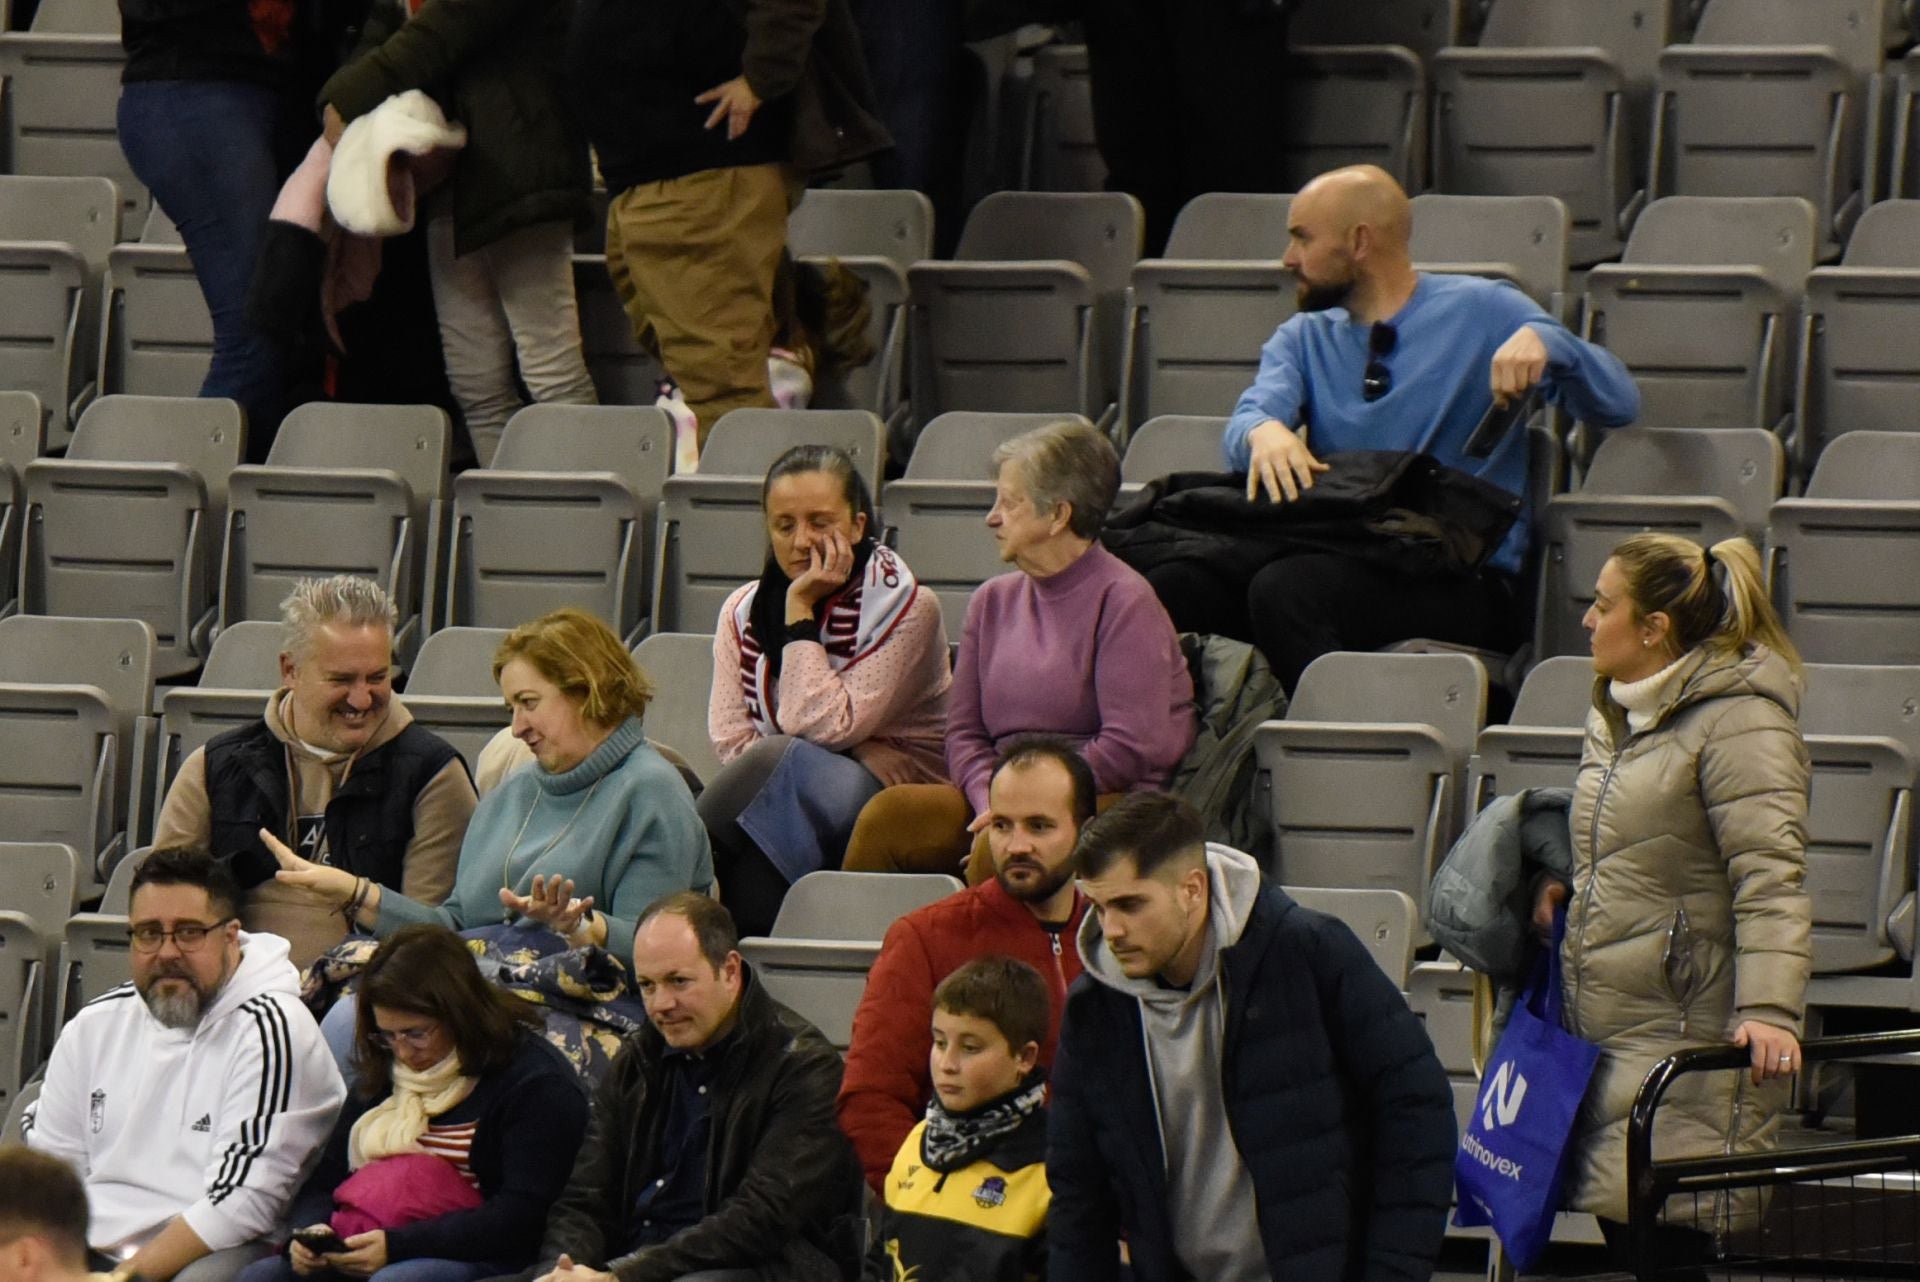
column 830, row 682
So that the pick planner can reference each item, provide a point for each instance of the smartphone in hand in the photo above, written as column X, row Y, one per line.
column 320, row 1239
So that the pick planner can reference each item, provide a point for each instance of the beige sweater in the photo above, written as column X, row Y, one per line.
column 309, row 924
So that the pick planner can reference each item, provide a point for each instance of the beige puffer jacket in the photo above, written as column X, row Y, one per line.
column 1688, row 913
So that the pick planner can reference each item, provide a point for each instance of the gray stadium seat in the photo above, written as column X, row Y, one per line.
column 894, row 225
column 1385, row 921
column 1030, row 316
column 77, row 17
column 74, row 730
column 1173, row 443
column 119, row 892
column 1539, row 746
column 14, row 1130
column 937, row 512
column 817, row 959
column 62, row 93
column 451, row 691
column 96, row 957
column 1846, row 571
column 1059, row 152
column 712, row 536
column 243, row 665
column 129, row 523
column 23, row 438
column 1365, row 774
column 42, row 881
column 622, row 373
column 1866, row 758
column 1424, row 26
column 1340, row 105
column 1557, row 98
column 1522, row 239
column 353, row 489
column 55, row 234
column 156, row 335
column 159, row 229
column 1859, row 362
column 1703, row 485
column 1441, row 994
column 680, row 666
column 1702, row 305
column 1197, row 319
column 563, row 516
column 1775, row 97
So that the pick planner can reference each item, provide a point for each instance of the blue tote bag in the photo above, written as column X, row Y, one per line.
column 1513, row 1157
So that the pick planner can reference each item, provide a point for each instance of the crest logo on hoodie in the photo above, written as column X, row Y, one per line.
column 991, row 1193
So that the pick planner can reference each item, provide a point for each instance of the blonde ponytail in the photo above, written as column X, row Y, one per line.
column 1715, row 598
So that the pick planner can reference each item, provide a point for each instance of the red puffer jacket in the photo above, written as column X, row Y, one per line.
column 887, row 1085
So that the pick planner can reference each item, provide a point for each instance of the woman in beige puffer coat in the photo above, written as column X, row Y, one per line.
column 1687, row 922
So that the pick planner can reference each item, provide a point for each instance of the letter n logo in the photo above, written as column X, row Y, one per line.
column 1501, row 1104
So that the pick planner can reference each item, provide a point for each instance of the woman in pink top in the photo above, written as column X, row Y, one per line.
column 830, row 682
column 1075, row 645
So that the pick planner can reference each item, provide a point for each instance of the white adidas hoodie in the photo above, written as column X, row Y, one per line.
column 218, row 1123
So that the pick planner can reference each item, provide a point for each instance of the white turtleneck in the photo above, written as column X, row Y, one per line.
column 1642, row 698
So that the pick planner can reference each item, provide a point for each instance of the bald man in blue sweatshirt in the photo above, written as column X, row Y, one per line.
column 1383, row 357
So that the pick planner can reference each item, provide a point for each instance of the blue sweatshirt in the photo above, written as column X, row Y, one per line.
column 1312, row 369
column 621, row 824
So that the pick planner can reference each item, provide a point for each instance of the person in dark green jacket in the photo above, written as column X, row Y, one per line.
column 500, row 231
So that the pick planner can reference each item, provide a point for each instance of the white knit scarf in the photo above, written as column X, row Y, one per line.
column 1642, row 699
column 396, row 1123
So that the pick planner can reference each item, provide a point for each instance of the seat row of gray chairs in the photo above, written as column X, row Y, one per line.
column 1842, row 555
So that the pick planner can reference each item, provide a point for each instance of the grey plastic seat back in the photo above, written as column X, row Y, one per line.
column 1031, row 315
column 1364, row 776
column 128, row 524
column 937, row 513
column 1173, row 443
column 855, row 906
column 1441, row 994
column 63, row 95
column 1702, row 485
column 1517, row 238
column 97, row 958
column 1423, row 26
column 1386, row 922
column 42, row 881
column 1540, row 745
column 1790, row 74
column 119, row 893
column 241, row 667
column 680, row 666
column 1351, row 105
column 711, row 538
column 352, row 489
column 1860, row 338
column 14, row 1131
column 159, row 229
column 156, row 333
column 623, row 374
column 879, row 383
column 458, row 662
column 894, row 225
column 1701, row 309
column 55, row 234
column 23, row 438
column 1195, row 330
column 746, row 442
column 245, row 656
column 1847, row 554
column 78, row 17
column 564, row 516
column 113, row 655
column 1231, row 225
column 1060, row 150
column 60, row 767
column 23, row 984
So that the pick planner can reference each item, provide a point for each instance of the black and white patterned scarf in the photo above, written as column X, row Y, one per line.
column 952, row 1140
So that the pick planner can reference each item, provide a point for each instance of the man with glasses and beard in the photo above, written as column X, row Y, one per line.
column 1040, row 794
column 190, row 1099
column 1383, row 357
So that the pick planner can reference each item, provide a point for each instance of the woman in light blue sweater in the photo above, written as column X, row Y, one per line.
column 600, row 826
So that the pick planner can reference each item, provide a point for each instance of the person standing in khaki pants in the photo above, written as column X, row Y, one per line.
column 707, row 117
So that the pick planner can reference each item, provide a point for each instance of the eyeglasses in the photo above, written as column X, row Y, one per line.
column 1378, row 379
column 188, row 936
column 412, row 1038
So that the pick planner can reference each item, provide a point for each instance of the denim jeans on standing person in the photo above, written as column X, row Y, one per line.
column 210, row 151
column 277, row 1269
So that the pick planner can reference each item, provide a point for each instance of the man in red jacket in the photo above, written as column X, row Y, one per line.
column 1041, row 793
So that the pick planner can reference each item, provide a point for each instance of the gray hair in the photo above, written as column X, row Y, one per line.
column 346, row 600
column 1066, row 462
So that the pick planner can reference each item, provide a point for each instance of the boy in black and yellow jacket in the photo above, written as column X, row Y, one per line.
column 967, row 1195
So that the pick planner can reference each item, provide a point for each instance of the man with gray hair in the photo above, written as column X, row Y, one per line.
column 335, row 767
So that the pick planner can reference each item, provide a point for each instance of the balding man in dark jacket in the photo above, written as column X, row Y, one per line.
column 1239, row 1090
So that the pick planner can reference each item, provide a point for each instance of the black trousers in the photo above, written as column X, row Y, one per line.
column 1313, row 603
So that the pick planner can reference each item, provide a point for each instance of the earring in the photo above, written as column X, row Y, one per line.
column 1646, row 642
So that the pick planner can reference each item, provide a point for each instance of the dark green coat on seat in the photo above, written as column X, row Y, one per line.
column 494, row 66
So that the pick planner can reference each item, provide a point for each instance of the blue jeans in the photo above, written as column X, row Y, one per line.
column 210, row 151
column 275, row 1268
